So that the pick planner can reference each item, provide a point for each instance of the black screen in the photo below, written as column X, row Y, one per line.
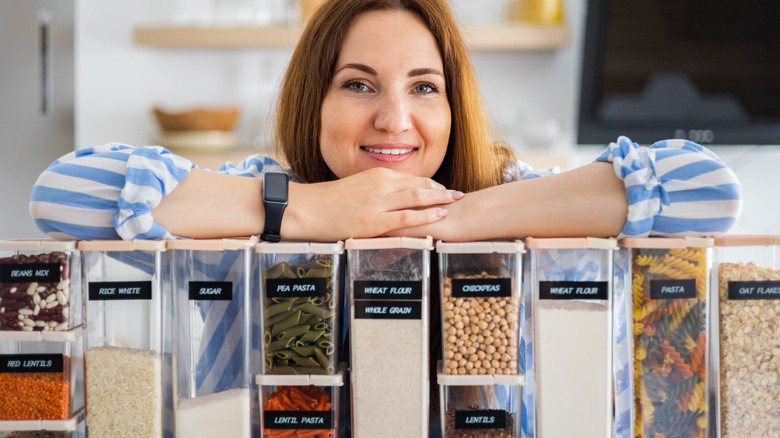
column 708, row 71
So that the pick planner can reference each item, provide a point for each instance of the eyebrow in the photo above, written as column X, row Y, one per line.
column 371, row 71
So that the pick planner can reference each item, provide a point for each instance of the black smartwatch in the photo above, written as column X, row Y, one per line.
column 274, row 201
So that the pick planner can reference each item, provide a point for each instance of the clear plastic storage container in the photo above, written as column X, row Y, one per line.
column 41, row 379
column 301, row 405
column 388, row 291
column 211, row 333
column 36, row 280
column 747, row 350
column 128, row 351
column 301, row 306
column 74, row 427
column 669, row 317
column 480, row 406
column 572, row 305
column 481, row 293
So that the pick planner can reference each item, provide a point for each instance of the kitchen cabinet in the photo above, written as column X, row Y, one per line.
column 500, row 36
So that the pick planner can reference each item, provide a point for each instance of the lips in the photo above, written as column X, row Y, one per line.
column 390, row 153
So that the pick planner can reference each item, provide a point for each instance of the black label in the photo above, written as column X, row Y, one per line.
column 388, row 290
column 296, row 287
column 487, row 419
column 29, row 272
column 754, row 290
column 211, row 290
column 672, row 289
column 120, row 290
column 481, row 287
column 297, row 420
column 31, row 363
column 573, row 290
column 381, row 309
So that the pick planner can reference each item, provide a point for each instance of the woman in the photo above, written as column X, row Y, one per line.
column 377, row 124
column 381, row 123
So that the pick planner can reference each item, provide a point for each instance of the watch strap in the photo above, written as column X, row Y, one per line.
column 273, row 222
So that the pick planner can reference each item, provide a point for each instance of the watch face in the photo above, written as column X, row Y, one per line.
column 275, row 187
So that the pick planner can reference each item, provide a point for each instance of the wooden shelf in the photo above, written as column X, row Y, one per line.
column 505, row 36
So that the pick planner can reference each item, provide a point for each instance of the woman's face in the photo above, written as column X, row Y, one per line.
column 387, row 105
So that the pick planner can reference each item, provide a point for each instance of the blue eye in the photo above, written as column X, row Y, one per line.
column 425, row 89
column 355, row 86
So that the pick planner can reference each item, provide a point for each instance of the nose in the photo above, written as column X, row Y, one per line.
column 393, row 113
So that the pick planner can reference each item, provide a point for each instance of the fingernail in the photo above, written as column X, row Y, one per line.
column 457, row 195
column 442, row 212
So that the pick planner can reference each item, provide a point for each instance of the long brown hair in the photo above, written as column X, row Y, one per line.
column 472, row 161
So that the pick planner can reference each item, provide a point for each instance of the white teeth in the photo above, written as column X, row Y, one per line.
column 388, row 151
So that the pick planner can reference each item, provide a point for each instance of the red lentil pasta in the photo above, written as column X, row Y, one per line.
column 299, row 398
column 669, row 345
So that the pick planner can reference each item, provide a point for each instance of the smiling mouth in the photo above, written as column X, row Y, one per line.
column 388, row 151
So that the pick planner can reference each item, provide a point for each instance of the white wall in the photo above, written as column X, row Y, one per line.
column 529, row 93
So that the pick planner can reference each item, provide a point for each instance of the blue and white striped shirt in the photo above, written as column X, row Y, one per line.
column 674, row 187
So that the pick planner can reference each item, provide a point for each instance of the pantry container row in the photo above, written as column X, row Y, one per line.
column 522, row 346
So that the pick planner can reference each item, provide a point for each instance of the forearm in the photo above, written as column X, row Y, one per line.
column 588, row 201
column 210, row 205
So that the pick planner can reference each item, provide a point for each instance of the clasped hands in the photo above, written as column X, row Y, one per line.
column 372, row 203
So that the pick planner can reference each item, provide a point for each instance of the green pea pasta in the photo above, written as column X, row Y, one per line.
column 298, row 329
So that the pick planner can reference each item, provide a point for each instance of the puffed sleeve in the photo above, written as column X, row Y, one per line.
column 106, row 192
column 674, row 187
column 254, row 166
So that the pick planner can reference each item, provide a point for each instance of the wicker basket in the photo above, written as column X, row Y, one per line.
column 197, row 119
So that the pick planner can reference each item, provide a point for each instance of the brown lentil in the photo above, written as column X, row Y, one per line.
column 451, row 432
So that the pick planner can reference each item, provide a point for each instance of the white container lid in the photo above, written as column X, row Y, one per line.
column 121, row 245
column 300, row 248
column 37, row 244
column 49, row 335
column 50, row 425
column 390, row 242
column 336, row 379
column 487, row 247
column 667, row 242
column 746, row 240
column 571, row 243
column 212, row 244
column 478, row 379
